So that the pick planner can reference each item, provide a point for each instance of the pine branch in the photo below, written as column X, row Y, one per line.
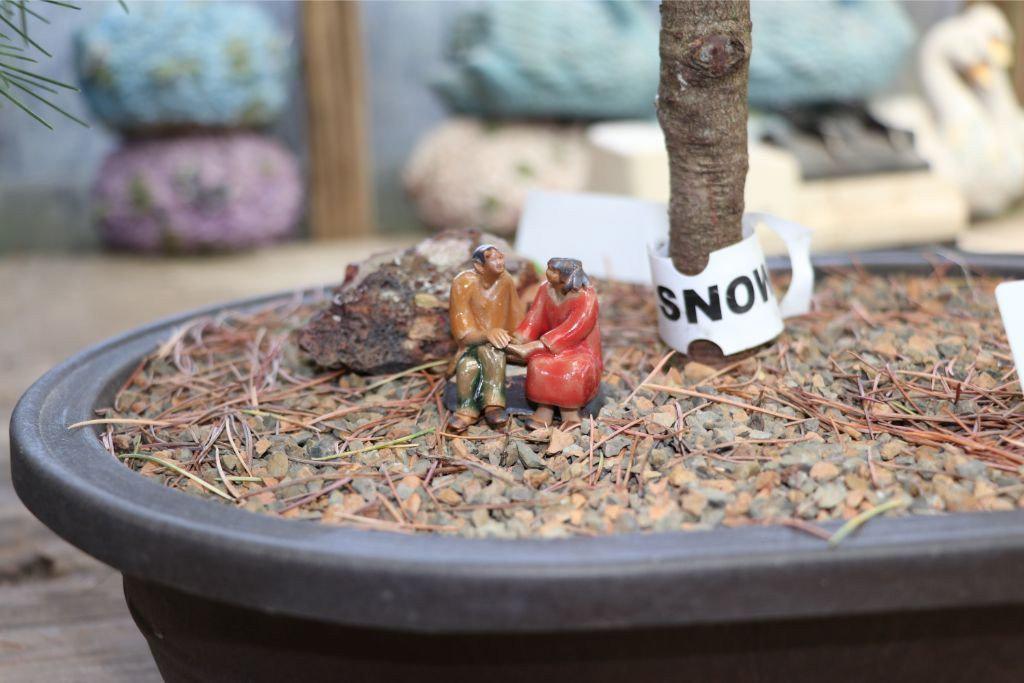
column 13, row 55
column 16, row 102
column 71, row 5
column 39, row 77
column 15, row 77
column 48, row 103
column 14, row 24
column 23, row 33
column 25, row 9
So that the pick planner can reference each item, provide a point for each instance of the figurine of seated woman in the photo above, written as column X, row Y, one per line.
column 561, row 341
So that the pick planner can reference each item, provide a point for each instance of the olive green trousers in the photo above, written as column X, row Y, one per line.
column 480, row 379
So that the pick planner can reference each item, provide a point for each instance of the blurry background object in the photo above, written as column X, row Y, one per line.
column 164, row 74
column 373, row 80
column 198, row 192
column 861, row 183
column 22, row 85
column 855, row 211
column 836, row 140
column 169, row 65
column 564, row 60
column 818, row 153
column 340, row 195
column 969, row 126
column 629, row 158
column 472, row 173
column 808, row 53
column 516, row 67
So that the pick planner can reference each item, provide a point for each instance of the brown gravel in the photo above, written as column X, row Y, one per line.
column 895, row 390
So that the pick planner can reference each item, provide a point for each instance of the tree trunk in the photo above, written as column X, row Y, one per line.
column 702, row 108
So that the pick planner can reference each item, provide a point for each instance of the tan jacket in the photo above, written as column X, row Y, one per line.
column 475, row 309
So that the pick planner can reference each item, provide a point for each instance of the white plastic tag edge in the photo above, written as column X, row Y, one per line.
column 1010, row 299
column 797, row 299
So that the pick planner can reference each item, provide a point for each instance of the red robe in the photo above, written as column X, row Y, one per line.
column 567, row 372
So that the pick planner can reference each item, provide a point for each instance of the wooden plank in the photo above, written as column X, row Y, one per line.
column 109, row 651
column 74, row 599
column 62, row 614
column 340, row 180
column 30, row 551
column 71, row 628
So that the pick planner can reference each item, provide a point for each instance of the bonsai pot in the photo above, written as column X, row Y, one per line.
column 223, row 594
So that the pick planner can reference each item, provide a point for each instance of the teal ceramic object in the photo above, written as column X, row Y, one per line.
column 818, row 52
column 599, row 60
column 184, row 64
column 576, row 60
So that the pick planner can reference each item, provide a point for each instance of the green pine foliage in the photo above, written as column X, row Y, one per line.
column 21, row 84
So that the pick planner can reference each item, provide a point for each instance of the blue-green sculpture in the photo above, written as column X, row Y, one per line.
column 820, row 52
column 599, row 59
column 574, row 60
column 184, row 64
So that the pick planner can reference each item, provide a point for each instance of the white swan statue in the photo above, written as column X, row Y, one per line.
column 972, row 129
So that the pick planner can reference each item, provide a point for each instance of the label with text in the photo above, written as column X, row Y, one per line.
column 731, row 302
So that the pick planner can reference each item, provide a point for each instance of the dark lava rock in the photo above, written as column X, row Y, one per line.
column 391, row 312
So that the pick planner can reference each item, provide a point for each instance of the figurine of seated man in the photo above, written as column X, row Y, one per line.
column 484, row 309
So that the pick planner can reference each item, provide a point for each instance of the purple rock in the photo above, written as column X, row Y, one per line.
column 199, row 192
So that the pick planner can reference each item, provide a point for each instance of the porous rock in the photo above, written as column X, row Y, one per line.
column 478, row 173
column 391, row 312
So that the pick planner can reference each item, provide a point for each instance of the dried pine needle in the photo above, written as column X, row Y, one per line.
column 177, row 470
column 857, row 522
column 905, row 393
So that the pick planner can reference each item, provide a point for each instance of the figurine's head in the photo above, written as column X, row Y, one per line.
column 566, row 274
column 487, row 260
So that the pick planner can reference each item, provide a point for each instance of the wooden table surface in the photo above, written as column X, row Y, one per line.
column 62, row 614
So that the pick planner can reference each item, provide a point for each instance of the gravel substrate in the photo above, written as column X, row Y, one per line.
column 897, row 393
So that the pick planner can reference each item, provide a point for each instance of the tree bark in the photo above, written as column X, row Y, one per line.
column 702, row 108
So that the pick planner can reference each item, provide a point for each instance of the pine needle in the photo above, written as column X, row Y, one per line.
column 378, row 446
column 121, row 421
column 855, row 523
column 399, row 375
column 71, row 5
column 50, row 104
column 29, row 82
column 177, row 470
column 23, row 35
column 17, row 103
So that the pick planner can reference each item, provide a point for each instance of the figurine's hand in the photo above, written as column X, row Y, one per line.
column 524, row 350
column 498, row 337
column 515, row 349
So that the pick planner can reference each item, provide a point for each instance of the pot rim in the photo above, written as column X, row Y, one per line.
column 448, row 584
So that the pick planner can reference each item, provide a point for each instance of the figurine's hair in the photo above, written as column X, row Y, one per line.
column 478, row 253
column 571, row 271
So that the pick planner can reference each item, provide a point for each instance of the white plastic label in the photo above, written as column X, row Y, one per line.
column 1010, row 297
column 609, row 234
column 731, row 302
